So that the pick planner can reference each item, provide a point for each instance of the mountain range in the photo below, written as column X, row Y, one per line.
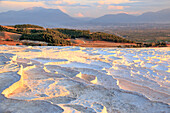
column 57, row 18
column 36, row 15
column 162, row 16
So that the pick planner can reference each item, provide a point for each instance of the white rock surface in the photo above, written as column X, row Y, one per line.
column 84, row 80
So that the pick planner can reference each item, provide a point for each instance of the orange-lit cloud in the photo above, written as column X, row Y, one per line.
column 13, row 5
column 102, row 2
column 117, row 7
column 91, row 8
column 20, row 5
column 79, row 15
column 133, row 13
column 62, row 2
column 62, row 9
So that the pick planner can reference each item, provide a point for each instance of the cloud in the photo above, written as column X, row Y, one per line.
column 79, row 15
column 61, row 2
column 62, row 9
column 91, row 8
column 114, row 2
column 16, row 5
column 68, row 3
column 110, row 7
column 131, row 13
column 13, row 5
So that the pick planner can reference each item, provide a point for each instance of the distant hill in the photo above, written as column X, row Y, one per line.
column 57, row 18
column 114, row 18
column 84, row 19
column 162, row 16
column 36, row 15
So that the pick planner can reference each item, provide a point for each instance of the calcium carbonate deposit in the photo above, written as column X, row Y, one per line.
column 84, row 80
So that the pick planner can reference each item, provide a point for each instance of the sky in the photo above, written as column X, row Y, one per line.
column 89, row 8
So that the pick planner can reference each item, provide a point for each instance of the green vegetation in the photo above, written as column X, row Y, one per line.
column 143, row 33
column 72, row 33
column 108, row 37
column 27, row 26
column 60, row 36
column 151, row 35
column 2, row 28
column 51, row 38
column 157, row 44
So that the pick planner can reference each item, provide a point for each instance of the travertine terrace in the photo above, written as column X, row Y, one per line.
column 79, row 79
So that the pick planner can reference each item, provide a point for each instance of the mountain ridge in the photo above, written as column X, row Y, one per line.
column 57, row 18
column 161, row 16
column 37, row 15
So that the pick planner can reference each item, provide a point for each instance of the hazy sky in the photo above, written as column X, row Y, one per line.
column 89, row 8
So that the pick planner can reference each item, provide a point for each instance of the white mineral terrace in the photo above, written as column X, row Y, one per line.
column 84, row 80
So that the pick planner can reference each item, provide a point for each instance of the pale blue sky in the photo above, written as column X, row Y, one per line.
column 89, row 8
